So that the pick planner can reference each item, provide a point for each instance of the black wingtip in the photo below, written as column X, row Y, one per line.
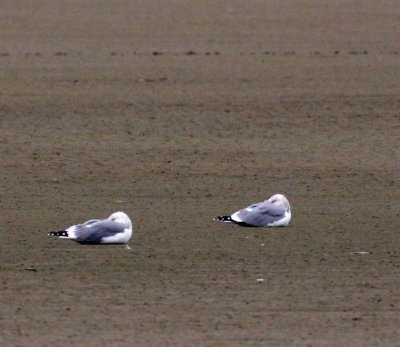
column 226, row 219
column 58, row 233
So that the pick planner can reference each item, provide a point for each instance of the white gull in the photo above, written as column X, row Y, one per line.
column 274, row 212
column 115, row 229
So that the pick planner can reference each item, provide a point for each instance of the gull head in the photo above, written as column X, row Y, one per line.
column 121, row 217
column 280, row 200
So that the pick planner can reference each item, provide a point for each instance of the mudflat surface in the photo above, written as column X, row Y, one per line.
column 177, row 113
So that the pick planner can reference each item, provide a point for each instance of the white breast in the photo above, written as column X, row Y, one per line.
column 282, row 222
column 118, row 238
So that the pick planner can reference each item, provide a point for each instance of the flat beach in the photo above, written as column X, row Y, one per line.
column 176, row 112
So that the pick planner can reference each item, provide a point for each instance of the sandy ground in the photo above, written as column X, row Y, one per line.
column 177, row 113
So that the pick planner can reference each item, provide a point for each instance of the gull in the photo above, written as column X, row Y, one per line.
column 274, row 212
column 115, row 229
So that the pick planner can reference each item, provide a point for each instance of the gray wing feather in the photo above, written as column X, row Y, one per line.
column 93, row 232
column 260, row 214
column 91, row 221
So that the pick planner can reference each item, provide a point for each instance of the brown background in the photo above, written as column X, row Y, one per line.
column 175, row 112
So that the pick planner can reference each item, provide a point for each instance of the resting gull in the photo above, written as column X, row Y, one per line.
column 115, row 229
column 274, row 212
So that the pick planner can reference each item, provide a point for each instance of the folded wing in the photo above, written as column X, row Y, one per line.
column 95, row 231
column 259, row 215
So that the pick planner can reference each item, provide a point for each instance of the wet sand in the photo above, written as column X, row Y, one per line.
column 176, row 114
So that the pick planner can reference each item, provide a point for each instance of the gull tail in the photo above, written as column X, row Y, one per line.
column 61, row 233
column 226, row 219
